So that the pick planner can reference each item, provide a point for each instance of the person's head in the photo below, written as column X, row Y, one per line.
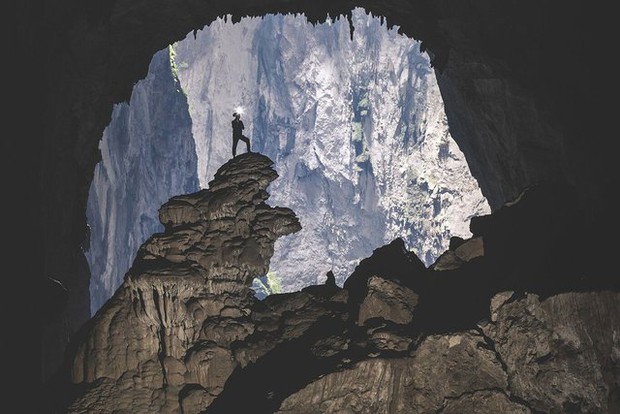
column 236, row 115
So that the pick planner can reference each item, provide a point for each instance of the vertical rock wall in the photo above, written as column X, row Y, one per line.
column 148, row 156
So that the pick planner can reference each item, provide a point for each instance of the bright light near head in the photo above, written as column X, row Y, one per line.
column 239, row 110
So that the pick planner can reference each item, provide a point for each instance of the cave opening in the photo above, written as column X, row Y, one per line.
column 304, row 90
column 513, row 125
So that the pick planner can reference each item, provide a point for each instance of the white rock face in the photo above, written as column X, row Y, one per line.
column 148, row 156
column 357, row 130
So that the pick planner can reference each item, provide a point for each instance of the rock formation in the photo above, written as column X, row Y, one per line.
column 186, row 297
column 184, row 334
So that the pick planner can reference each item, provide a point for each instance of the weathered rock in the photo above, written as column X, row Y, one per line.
column 186, row 298
column 561, row 354
column 371, row 386
column 387, row 339
column 470, row 249
column 455, row 241
column 193, row 398
column 442, row 369
column 286, row 317
column 185, row 332
column 209, row 365
column 486, row 401
column 137, row 391
column 551, row 356
column 461, row 251
column 447, row 261
column 392, row 262
column 387, row 300
column 497, row 302
column 226, row 330
column 448, row 366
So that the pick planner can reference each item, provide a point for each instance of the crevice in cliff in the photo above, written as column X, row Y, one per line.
column 161, row 355
column 491, row 346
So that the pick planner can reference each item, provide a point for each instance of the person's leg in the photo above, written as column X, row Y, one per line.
column 247, row 141
column 234, row 149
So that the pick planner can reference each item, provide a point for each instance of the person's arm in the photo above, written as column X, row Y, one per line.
column 242, row 126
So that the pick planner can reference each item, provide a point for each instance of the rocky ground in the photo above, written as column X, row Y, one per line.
column 500, row 323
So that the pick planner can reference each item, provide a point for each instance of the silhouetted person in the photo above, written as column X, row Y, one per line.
column 331, row 280
column 237, row 127
column 326, row 290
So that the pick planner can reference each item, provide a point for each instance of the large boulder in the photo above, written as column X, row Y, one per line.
column 391, row 262
column 387, row 300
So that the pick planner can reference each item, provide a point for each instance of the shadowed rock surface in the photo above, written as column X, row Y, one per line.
column 184, row 333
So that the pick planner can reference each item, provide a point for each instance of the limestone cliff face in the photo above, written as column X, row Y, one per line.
column 355, row 123
column 148, row 156
column 352, row 115
column 184, row 333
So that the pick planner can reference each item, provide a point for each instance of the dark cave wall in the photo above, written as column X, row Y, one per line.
column 506, row 71
column 517, row 90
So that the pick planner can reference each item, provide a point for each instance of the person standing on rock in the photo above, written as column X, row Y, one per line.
column 237, row 127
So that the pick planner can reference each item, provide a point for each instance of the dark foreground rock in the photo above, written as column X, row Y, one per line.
column 185, row 334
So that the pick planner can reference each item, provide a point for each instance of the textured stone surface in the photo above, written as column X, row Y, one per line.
column 388, row 300
column 148, row 155
column 561, row 354
column 286, row 317
column 550, row 356
column 484, row 402
column 391, row 262
column 185, row 331
column 185, row 299
column 461, row 251
column 470, row 249
column 445, row 373
column 447, row 261
column 448, row 366
column 372, row 386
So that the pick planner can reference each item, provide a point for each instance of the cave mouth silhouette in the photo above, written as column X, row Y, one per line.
column 545, row 46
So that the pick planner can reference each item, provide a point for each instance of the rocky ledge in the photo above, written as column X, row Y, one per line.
column 500, row 323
